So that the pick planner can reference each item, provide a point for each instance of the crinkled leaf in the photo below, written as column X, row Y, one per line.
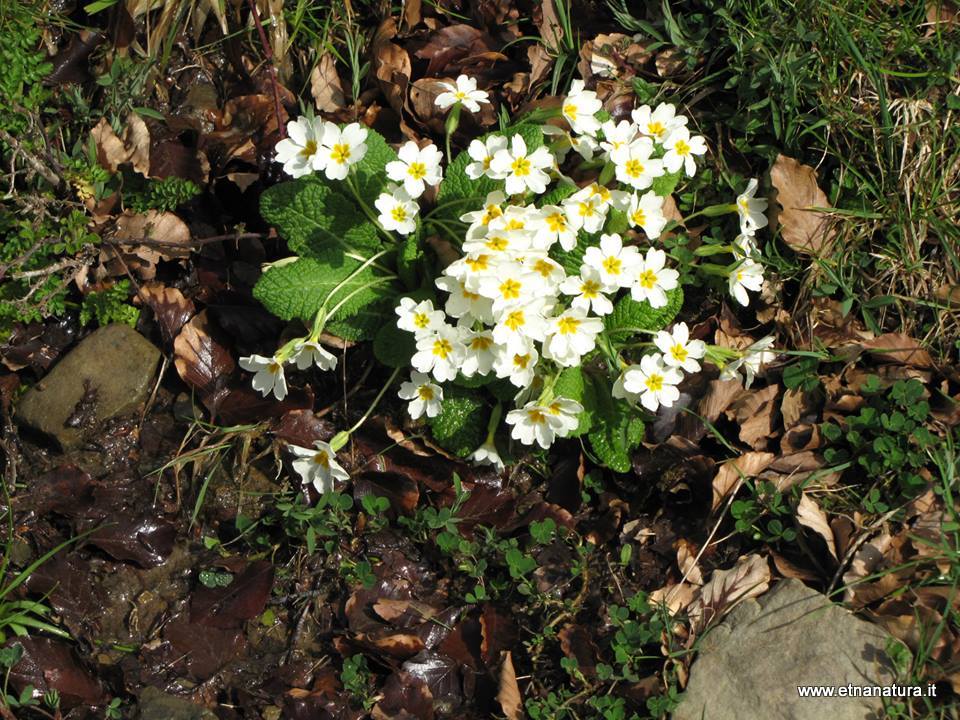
column 461, row 425
column 629, row 316
column 300, row 288
column 572, row 259
column 575, row 384
column 371, row 177
column 617, row 430
column 409, row 255
column 392, row 346
column 312, row 217
column 666, row 184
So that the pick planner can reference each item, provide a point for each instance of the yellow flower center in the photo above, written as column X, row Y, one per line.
column 460, row 95
column 648, row 278
column 310, row 149
column 490, row 211
column 638, row 217
column 521, row 361
column 467, row 294
column 425, row 392
column 340, row 153
column 442, row 348
column 275, row 367
column 543, row 267
column 744, row 203
column 510, row 289
column 602, row 191
column 322, row 458
column 557, row 222
column 587, row 209
column 421, row 320
column 612, row 265
column 497, row 244
column 679, row 352
column 486, row 162
column 478, row 263
column 521, row 167
column 633, row 168
column 681, row 148
column 417, row 170
column 570, row 110
column 515, row 224
column 589, row 289
column 656, row 128
column 398, row 214
column 515, row 320
column 654, row 382
column 567, row 325
column 535, row 415
column 481, row 342
column 739, row 275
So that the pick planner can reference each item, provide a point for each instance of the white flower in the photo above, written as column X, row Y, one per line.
column 534, row 423
column 310, row 353
column 480, row 354
column 441, row 352
column 472, row 268
column 586, row 210
column 679, row 350
column 464, row 92
column 635, row 166
column 652, row 279
column 492, row 209
column 397, row 210
column 418, row 317
column 654, row 382
column 556, row 227
column 487, row 454
column 513, row 284
column 579, row 109
column 646, row 211
column 547, row 272
column 681, row 151
column 463, row 303
column 751, row 210
column 342, row 148
column 748, row 275
column 522, row 323
column 659, row 123
column 617, row 135
column 517, row 362
column 424, row 396
column 416, row 168
column 522, row 171
column 614, row 262
column 482, row 152
column 318, row 465
column 751, row 361
column 567, row 412
column 744, row 246
column 268, row 375
column 570, row 336
column 584, row 145
column 299, row 152
column 588, row 289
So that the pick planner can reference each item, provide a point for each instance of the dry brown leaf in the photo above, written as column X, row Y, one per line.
column 201, row 361
column 675, row 597
column 810, row 515
column 540, row 63
column 170, row 307
column 756, row 412
column 511, row 702
column 391, row 65
column 133, row 147
column 728, row 477
column 169, row 235
column 549, row 25
column 806, row 231
column 749, row 578
column 325, row 85
column 899, row 348
column 687, row 562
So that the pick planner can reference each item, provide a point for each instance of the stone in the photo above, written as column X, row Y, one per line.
column 157, row 705
column 109, row 373
column 751, row 664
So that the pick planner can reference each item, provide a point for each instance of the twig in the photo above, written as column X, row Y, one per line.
column 49, row 175
column 268, row 53
column 48, row 270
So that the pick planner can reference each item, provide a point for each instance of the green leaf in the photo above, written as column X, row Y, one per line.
column 629, row 316
column 394, row 347
column 312, row 217
column 409, row 255
column 572, row 259
column 371, row 177
column 575, row 384
column 300, row 288
column 461, row 425
column 558, row 193
column 617, row 430
column 666, row 184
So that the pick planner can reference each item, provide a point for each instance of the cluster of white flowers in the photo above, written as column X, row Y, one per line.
column 510, row 310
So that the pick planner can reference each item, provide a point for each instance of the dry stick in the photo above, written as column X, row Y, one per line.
column 49, row 175
column 268, row 52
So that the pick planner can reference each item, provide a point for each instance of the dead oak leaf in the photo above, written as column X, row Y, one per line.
column 806, row 230
column 508, row 695
column 811, row 516
column 132, row 147
column 201, row 361
column 749, row 578
column 328, row 95
column 899, row 348
column 728, row 477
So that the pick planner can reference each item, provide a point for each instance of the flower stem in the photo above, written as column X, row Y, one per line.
column 341, row 438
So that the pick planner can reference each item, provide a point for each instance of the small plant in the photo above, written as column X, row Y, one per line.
column 162, row 195
column 109, row 306
column 357, row 681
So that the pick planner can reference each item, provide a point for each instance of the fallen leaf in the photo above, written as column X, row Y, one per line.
column 49, row 664
column 243, row 599
column 170, row 307
column 511, row 702
column 391, row 65
column 549, row 25
column 325, row 85
column 749, row 578
column 728, row 477
column 201, row 360
column 810, row 515
column 168, row 235
column 898, row 348
column 133, row 147
column 756, row 412
column 806, row 231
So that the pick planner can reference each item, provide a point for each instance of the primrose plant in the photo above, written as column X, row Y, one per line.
column 524, row 287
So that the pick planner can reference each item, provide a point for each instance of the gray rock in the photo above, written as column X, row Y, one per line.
column 108, row 374
column 751, row 664
column 156, row 705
